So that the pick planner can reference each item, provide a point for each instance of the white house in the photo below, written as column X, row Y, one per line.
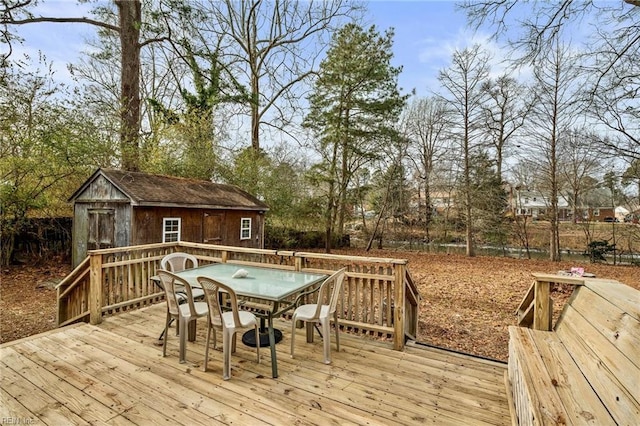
column 621, row 212
column 535, row 205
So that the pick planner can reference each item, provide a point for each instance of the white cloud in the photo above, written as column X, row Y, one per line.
column 435, row 54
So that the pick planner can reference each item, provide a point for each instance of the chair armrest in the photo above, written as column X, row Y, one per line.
column 302, row 295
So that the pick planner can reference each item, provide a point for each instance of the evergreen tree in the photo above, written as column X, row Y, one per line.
column 353, row 109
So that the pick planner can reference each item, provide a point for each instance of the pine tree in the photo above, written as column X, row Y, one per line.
column 353, row 110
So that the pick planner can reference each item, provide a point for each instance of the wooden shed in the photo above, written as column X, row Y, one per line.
column 116, row 208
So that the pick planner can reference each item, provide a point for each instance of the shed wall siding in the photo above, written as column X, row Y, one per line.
column 147, row 226
column 233, row 219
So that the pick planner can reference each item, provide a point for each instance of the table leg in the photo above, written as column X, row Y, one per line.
column 192, row 331
column 309, row 327
column 272, row 344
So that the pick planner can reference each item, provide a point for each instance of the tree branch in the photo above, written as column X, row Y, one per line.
column 83, row 20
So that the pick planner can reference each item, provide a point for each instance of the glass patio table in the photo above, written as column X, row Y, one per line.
column 273, row 285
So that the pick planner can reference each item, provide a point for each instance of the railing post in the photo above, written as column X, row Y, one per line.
column 398, row 308
column 542, row 308
column 59, row 315
column 95, row 288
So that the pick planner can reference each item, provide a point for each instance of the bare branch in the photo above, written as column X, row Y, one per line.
column 83, row 20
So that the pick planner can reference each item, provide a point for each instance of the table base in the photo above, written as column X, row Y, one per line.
column 249, row 337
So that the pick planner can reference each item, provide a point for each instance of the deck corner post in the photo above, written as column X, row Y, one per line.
column 399, row 307
column 541, row 312
column 58, row 306
column 95, row 288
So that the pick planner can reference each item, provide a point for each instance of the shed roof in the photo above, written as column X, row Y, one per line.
column 169, row 191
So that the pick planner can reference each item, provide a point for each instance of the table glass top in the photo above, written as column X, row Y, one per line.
column 261, row 282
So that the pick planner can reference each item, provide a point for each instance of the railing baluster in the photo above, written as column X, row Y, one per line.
column 115, row 280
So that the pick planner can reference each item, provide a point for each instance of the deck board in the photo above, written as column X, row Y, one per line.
column 115, row 374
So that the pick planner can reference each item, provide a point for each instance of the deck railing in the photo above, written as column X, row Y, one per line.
column 379, row 296
column 536, row 309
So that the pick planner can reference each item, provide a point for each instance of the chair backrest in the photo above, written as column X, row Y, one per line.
column 172, row 285
column 214, row 292
column 335, row 280
column 176, row 262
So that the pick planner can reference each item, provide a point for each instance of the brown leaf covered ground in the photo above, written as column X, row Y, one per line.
column 467, row 303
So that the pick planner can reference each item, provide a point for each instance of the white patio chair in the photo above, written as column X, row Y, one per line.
column 178, row 261
column 321, row 313
column 184, row 312
column 229, row 322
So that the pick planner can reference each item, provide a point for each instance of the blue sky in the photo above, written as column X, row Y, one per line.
column 426, row 34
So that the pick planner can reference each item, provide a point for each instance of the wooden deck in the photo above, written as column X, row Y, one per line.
column 114, row 373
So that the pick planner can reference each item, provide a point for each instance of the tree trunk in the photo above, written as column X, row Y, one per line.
column 467, row 190
column 554, row 243
column 427, row 209
column 255, row 114
column 344, row 171
column 331, row 203
column 254, row 59
column 130, row 13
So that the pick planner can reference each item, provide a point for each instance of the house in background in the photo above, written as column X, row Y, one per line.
column 597, row 214
column 116, row 208
column 621, row 213
column 527, row 203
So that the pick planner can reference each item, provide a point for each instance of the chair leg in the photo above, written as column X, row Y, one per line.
column 326, row 340
column 337, row 326
column 226, row 354
column 293, row 334
column 206, row 348
column 183, row 339
column 166, row 328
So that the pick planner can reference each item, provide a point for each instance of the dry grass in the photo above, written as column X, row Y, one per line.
column 468, row 303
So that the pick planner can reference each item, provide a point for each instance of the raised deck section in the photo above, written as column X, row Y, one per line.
column 586, row 370
column 115, row 374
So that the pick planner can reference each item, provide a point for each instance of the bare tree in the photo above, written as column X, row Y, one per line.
column 612, row 58
column 554, row 112
column 615, row 103
column 504, row 114
column 129, row 13
column 462, row 83
column 389, row 199
column 426, row 123
column 275, row 46
column 578, row 162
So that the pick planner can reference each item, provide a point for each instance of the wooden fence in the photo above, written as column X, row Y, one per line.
column 379, row 296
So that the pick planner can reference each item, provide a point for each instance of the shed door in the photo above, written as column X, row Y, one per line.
column 101, row 229
column 212, row 228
